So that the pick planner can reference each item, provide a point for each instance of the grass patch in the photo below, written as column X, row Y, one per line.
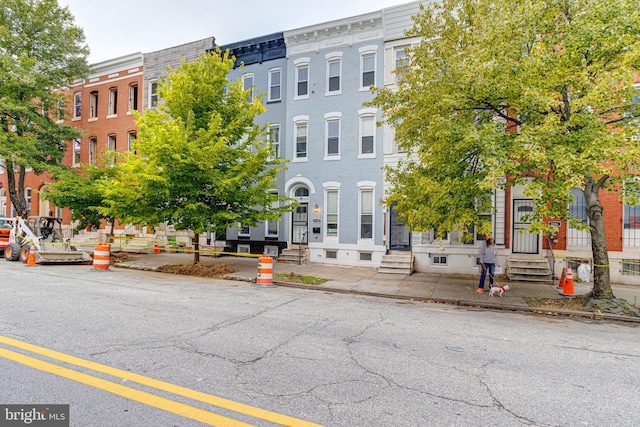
column 298, row 278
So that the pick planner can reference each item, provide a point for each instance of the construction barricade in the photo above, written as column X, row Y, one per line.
column 265, row 272
column 101, row 257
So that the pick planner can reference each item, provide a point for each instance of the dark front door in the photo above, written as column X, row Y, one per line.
column 399, row 236
column 300, row 224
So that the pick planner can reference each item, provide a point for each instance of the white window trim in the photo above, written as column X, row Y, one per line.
column 246, row 76
column 75, row 106
column 151, row 83
column 266, row 223
column 330, row 58
column 368, row 50
column 299, row 120
column 130, row 100
column 112, row 105
column 271, row 72
column 333, row 116
column 362, row 114
column 240, row 233
column 93, row 149
column 272, row 156
column 367, row 186
column 331, row 186
column 299, row 63
column 76, row 162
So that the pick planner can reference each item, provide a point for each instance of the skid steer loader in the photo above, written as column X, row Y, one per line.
column 44, row 235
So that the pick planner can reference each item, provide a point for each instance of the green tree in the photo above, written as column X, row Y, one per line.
column 41, row 51
column 82, row 190
column 200, row 163
column 503, row 92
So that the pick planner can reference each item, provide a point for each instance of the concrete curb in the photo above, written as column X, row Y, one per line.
column 449, row 301
column 476, row 304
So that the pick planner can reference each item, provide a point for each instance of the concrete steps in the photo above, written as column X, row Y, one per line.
column 524, row 269
column 398, row 262
column 294, row 254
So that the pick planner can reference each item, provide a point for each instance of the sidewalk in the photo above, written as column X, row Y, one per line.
column 431, row 287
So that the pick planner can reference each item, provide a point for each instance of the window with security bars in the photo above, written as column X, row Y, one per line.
column 578, row 211
column 631, row 226
column 631, row 267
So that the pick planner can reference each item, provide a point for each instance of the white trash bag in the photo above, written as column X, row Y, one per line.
column 584, row 272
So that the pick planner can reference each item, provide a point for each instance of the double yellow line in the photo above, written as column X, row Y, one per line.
column 150, row 399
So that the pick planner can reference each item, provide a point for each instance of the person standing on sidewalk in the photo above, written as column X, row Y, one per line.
column 488, row 259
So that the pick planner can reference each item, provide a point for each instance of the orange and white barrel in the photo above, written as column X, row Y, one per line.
column 265, row 271
column 101, row 257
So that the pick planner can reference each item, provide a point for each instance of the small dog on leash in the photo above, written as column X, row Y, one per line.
column 498, row 290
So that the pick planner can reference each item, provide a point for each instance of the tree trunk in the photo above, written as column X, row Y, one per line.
column 196, row 248
column 16, row 195
column 595, row 212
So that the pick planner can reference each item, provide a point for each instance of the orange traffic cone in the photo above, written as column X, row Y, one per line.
column 156, row 249
column 563, row 278
column 568, row 286
column 31, row 259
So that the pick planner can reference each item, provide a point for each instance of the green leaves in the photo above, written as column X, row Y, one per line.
column 41, row 51
column 532, row 91
column 201, row 161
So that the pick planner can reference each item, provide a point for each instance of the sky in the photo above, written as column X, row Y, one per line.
column 120, row 27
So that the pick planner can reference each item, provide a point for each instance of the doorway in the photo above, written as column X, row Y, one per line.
column 524, row 242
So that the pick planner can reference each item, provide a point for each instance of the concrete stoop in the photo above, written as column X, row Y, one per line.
column 396, row 263
column 524, row 269
column 294, row 255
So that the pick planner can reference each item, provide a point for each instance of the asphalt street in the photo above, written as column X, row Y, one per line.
column 139, row 348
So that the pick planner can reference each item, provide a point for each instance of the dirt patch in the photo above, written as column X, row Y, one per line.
column 614, row 306
column 218, row 270
column 116, row 257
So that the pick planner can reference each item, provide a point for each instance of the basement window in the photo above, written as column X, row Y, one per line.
column 439, row 260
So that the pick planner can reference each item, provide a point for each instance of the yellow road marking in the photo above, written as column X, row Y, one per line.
column 254, row 412
column 130, row 393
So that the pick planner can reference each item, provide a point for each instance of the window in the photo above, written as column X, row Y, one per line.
column 365, row 256
column 60, row 110
column 401, row 61
column 272, row 226
column 113, row 101
column 366, row 214
column 247, row 85
column 332, row 212
column 439, row 260
column 274, row 139
column 244, row 249
column 367, row 132
column 334, row 71
column 133, row 96
column 131, row 137
column 153, row 93
column 367, row 67
column 111, row 146
column 244, row 230
column 631, row 226
column 331, row 254
column 77, row 105
column 578, row 211
column 333, row 135
column 76, row 152
column 2, row 167
column 27, row 199
column 3, row 202
column 302, row 78
column 631, row 267
column 93, row 105
column 112, row 143
column 93, row 146
column 275, row 84
column 300, row 137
